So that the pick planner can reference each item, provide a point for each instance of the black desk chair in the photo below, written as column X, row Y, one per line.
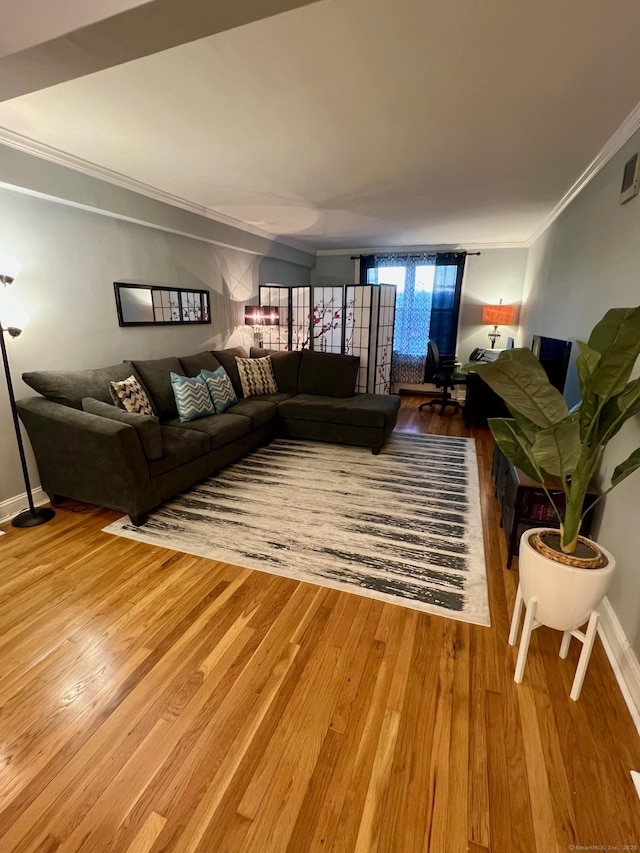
column 443, row 375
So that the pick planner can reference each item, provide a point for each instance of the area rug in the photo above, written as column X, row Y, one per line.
column 403, row 527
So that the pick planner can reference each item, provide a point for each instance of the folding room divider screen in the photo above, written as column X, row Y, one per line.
column 354, row 319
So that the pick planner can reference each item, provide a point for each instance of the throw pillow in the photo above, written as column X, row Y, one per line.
column 192, row 397
column 147, row 426
column 131, row 396
column 256, row 376
column 220, row 388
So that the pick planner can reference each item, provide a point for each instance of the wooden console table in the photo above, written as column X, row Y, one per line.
column 524, row 504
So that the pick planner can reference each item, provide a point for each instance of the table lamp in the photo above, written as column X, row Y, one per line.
column 498, row 315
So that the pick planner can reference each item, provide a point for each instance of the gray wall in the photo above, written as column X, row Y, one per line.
column 587, row 262
column 73, row 252
column 275, row 271
column 334, row 270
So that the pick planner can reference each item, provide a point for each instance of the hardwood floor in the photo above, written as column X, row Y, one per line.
column 154, row 701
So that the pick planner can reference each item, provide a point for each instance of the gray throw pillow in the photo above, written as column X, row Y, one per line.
column 328, row 374
column 69, row 387
column 147, row 426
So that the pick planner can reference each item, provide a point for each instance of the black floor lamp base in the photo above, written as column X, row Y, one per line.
column 28, row 518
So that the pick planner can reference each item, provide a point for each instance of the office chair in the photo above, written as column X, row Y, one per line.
column 443, row 375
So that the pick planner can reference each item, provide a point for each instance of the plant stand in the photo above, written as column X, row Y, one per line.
column 530, row 624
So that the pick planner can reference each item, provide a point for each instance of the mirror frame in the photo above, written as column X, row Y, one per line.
column 202, row 298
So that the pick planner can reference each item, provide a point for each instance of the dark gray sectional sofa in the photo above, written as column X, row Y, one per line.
column 133, row 464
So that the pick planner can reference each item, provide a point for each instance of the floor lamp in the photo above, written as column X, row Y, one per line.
column 34, row 515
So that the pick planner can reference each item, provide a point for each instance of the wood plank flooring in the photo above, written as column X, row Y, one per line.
column 153, row 701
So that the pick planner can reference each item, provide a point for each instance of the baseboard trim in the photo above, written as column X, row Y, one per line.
column 622, row 658
column 12, row 506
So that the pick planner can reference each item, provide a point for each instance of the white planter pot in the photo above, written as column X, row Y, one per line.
column 566, row 595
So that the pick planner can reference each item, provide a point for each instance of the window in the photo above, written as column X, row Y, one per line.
column 427, row 305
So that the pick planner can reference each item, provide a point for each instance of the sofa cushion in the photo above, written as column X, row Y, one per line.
column 220, row 389
column 179, row 446
column 193, row 364
column 130, row 396
column 286, row 366
column 147, row 426
column 156, row 376
column 220, row 429
column 227, row 358
column 256, row 376
column 192, row 397
column 272, row 398
column 68, row 387
column 259, row 411
column 367, row 410
column 328, row 374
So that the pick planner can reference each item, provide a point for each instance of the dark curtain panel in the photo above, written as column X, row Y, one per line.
column 367, row 267
column 445, row 303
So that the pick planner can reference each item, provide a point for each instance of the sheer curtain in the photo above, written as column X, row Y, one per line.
column 427, row 305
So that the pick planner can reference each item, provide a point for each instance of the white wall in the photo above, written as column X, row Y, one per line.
column 71, row 257
column 493, row 275
column 587, row 262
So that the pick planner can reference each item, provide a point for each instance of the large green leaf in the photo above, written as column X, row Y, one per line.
column 518, row 377
column 527, row 427
column 586, row 363
column 617, row 338
column 617, row 411
column 514, row 444
column 556, row 449
column 625, row 468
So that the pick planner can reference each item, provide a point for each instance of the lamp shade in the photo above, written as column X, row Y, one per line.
column 252, row 315
column 9, row 266
column 12, row 314
column 499, row 315
column 270, row 315
column 261, row 315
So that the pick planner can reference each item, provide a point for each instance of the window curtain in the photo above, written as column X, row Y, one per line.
column 427, row 306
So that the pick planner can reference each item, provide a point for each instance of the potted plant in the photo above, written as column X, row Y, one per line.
column 567, row 573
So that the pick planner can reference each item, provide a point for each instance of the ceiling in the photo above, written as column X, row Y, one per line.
column 358, row 123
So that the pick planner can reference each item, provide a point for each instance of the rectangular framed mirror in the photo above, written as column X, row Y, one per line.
column 156, row 305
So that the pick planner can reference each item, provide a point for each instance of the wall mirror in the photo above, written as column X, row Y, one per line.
column 154, row 305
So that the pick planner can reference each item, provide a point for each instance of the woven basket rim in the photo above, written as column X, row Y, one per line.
column 599, row 561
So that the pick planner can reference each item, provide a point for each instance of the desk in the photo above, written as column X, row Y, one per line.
column 482, row 401
column 524, row 504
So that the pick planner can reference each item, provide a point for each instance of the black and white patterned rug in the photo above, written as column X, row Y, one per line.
column 403, row 527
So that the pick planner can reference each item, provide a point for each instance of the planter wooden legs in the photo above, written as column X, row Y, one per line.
column 530, row 624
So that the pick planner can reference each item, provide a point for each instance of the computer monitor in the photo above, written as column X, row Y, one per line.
column 553, row 354
column 510, row 343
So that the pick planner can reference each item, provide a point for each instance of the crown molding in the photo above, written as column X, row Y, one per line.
column 109, row 176
column 622, row 135
column 468, row 247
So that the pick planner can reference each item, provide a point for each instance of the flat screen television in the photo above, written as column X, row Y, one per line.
column 553, row 354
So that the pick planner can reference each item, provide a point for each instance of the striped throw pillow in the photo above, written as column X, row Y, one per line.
column 131, row 396
column 220, row 388
column 256, row 376
column 192, row 397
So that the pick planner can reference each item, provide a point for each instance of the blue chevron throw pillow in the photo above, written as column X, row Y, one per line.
column 192, row 397
column 220, row 388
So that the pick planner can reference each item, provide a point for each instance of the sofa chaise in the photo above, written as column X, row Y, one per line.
column 89, row 450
